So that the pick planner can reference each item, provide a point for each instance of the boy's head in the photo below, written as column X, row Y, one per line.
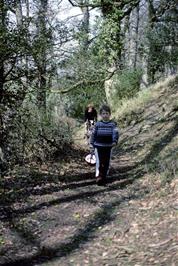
column 105, row 112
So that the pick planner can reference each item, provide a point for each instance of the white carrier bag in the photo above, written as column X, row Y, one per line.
column 90, row 158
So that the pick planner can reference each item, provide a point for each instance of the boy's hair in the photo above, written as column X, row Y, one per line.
column 105, row 108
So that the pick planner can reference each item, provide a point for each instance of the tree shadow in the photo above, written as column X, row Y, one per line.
column 9, row 213
column 102, row 217
column 127, row 176
column 160, row 145
column 156, row 148
column 23, row 191
column 73, row 243
column 125, row 172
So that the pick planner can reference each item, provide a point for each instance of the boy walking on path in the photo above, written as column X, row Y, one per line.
column 104, row 136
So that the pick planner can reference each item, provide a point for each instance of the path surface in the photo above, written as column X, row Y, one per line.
column 75, row 222
column 60, row 217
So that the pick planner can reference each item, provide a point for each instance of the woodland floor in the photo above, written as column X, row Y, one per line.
column 59, row 217
column 71, row 221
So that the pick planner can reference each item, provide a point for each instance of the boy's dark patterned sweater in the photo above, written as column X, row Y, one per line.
column 104, row 134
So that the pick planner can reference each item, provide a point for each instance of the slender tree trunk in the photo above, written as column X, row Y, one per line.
column 2, row 29
column 150, row 65
column 41, row 93
column 1, row 78
column 27, row 8
column 136, row 37
column 126, row 34
column 18, row 13
column 42, row 65
column 85, row 25
column 2, row 133
column 27, row 40
column 1, row 116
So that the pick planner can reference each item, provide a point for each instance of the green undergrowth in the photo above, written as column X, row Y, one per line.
column 134, row 107
column 149, row 123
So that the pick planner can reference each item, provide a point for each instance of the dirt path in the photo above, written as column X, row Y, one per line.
column 74, row 222
column 58, row 216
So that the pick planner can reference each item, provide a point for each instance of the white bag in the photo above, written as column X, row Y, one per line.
column 90, row 158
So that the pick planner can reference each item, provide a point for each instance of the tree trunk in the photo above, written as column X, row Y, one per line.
column 85, row 25
column 136, row 37
column 2, row 29
column 150, row 64
column 27, row 8
column 42, row 31
column 18, row 13
column 2, row 133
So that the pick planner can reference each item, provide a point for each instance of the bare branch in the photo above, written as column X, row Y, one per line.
column 10, row 70
column 73, row 3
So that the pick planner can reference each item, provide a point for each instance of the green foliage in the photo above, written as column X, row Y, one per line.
column 38, row 135
column 40, row 47
column 126, row 84
column 81, row 97
column 87, row 70
column 108, row 44
column 163, row 49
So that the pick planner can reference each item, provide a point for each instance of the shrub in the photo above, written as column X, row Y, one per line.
column 38, row 135
column 126, row 84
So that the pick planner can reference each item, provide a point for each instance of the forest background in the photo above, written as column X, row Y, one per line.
column 56, row 56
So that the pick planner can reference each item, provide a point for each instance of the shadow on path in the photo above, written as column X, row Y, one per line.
column 102, row 217
column 9, row 213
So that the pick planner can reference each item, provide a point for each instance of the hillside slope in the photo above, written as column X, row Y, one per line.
column 150, row 129
column 59, row 216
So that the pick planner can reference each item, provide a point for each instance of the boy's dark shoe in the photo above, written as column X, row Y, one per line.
column 100, row 181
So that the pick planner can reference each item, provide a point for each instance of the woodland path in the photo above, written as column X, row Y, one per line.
column 60, row 217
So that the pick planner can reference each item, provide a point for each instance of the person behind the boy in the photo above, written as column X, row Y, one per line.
column 105, row 135
column 90, row 113
column 90, row 120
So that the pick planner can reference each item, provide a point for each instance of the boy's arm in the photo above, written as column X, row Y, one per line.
column 115, row 134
